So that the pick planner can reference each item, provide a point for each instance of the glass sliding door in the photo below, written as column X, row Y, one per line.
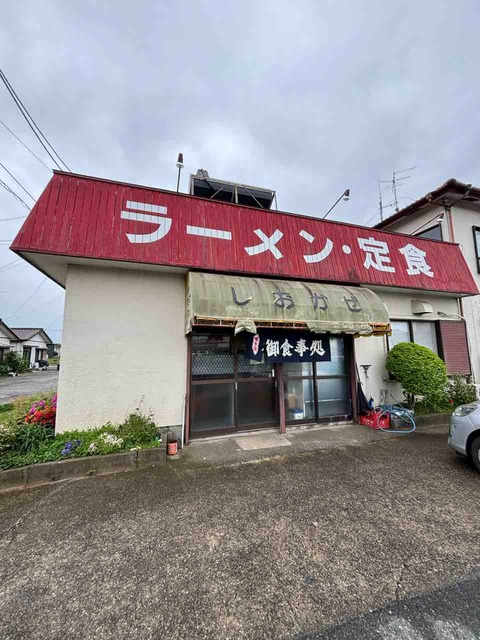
column 213, row 383
column 318, row 391
column 333, row 383
column 255, row 391
column 299, row 391
column 229, row 391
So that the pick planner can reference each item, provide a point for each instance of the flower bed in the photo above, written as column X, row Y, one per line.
column 27, row 435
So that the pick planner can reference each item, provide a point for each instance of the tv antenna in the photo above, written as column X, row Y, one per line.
column 380, row 201
column 398, row 180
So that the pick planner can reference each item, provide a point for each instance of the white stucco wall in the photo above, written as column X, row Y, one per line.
column 464, row 219
column 123, row 340
column 373, row 350
column 4, row 339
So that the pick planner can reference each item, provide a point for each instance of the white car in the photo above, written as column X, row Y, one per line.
column 465, row 431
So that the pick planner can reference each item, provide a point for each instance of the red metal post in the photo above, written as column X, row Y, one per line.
column 352, row 370
column 188, row 387
column 281, row 397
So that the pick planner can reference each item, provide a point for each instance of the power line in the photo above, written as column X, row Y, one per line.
column 47, row 303
column 17, row 181
column 54, row 321
column 27, row 300
column 14, row 266
column 15, row 195
column 9, row 263
column 31, row 122
column 22, row 143
column 15, row 218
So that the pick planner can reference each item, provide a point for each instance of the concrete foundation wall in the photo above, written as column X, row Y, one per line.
column 123, row 341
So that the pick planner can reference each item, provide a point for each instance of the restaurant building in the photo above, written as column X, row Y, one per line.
column 222, row 315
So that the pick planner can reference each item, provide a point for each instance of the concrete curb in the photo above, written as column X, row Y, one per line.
column 431, row 419
column 46, row 472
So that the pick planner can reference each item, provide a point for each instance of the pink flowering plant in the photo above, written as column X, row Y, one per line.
column 43, row 412
column 27, row 434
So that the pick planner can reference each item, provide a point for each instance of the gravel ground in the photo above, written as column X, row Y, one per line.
column 27, row 384
column 295, row 547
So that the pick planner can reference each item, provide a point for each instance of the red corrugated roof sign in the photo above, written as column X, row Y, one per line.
column 93, row 218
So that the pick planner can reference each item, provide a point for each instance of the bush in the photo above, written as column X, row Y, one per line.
column 4, row 370
column 27, row 437
column 461, row 392
column 43, row 412
column 21, row 406
column 8, row 436
column 435, row 403
column 420, row 371
column 14, row 362
column 138, row 428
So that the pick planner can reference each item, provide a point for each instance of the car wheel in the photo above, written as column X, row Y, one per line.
column 475, row 452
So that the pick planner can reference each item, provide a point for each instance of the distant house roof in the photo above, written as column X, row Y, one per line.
column 7, row 330
column 448, row 193
column 28, row 334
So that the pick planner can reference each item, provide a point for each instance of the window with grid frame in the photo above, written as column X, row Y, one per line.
column 422, row 332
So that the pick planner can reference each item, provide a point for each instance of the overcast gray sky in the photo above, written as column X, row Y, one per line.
column 307, row 98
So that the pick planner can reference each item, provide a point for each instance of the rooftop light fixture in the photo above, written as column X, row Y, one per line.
column 180, row 167
column 345, row 195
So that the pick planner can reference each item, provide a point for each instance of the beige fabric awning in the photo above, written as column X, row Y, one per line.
column 249, row 303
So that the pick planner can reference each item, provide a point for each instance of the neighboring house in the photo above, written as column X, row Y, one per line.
column 6, row 338
column 450, row 213
column 31, row 344
column 54, row 350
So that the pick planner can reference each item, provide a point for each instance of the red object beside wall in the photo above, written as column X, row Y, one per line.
column 375, row 420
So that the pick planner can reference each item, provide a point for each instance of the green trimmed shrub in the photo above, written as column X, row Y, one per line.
column 420, row 371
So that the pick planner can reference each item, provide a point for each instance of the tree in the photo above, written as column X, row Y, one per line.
column 420, row 371
column 14, row 362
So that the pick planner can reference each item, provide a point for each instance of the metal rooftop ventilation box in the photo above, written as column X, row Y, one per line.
column 203, row 186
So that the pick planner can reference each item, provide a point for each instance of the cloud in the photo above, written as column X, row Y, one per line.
column 306, row 98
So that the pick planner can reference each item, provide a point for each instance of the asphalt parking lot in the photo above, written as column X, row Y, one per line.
column 375, row 541
column 27, row 384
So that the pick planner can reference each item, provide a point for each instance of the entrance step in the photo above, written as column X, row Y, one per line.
column 262, row 441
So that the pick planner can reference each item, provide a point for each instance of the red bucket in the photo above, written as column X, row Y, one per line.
column 171, row 448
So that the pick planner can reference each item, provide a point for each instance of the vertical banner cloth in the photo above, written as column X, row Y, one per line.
column 283, row 346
